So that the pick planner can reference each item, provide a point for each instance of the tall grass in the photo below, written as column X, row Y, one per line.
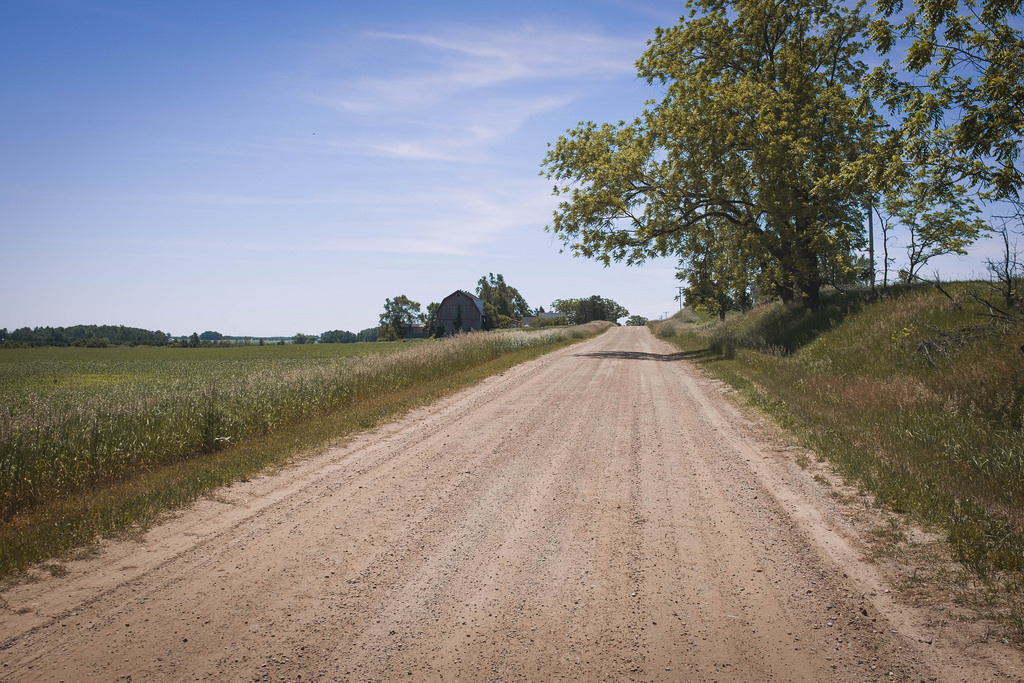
column 918, row 397
column 74, row 421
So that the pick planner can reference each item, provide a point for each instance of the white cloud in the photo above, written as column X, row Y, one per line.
column 465, row 134
column 469, row 59
column 453, row 95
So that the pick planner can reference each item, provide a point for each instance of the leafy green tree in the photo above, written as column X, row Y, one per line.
column 430, row 326
column 637, row 321
column 193, row 341
column 301, row 338
column 940, row 220
column 599, row 308
column 338, row 337
column 956, row 101
column 961, row 105
column 718, row 269
column 210, row 335
column 581, row 311
column 368, row 335
column 504, row 306
column 21, row 335
column 706, row 289
column 758, row 113
column 398, row 314
column 568, row 308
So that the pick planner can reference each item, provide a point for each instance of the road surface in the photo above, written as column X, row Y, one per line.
column 602, row 513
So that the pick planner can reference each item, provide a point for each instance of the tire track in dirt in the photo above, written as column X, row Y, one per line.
column 598, row 514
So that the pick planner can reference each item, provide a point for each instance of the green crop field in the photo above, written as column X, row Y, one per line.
column 75, row 417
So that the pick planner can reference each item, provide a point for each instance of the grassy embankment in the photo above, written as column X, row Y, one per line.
column 916, row 396
column 96, row 442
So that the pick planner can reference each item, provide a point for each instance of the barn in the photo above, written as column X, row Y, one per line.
column 460, row 311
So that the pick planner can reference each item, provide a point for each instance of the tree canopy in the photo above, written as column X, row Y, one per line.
column 954, row 110
column 504, row 306
column 772, row 142
column 368, row 335
column 757, row 112
column 338, row 337
column 582, row 311
column 958, row 93
column 399, row 313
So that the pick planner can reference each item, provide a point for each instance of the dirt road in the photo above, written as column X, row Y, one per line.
column 602, row 513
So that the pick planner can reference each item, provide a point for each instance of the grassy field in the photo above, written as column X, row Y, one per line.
column 916, row 396
column 73, row 418
column 96, row 441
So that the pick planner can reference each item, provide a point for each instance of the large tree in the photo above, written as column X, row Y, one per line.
column 504, row 306
column 399, row 313
column 955, row 118
column 719, row 270
column 582, row 311
column 430, row 326
column 758, row 112
column 957, row 95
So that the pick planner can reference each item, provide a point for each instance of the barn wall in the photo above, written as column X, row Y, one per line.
column 449, row 310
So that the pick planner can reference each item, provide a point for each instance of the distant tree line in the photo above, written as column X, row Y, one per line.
column 83, row 335
column 504, row 307
column 346, row 337
column 101, row 336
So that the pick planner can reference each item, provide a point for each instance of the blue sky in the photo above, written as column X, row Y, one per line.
column 267, row 168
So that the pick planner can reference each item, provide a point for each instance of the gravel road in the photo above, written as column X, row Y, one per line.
column 602, row 513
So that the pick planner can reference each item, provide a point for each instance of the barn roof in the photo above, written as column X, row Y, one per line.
column 477, row 301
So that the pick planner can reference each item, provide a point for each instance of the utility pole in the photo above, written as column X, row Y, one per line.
column 680, row 297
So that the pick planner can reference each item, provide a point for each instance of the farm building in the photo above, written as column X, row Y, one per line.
column 460, row 311
column 415, row 331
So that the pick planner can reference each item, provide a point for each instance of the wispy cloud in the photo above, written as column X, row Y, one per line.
column 460, row 60
column 454, row 94
column 474, row 127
